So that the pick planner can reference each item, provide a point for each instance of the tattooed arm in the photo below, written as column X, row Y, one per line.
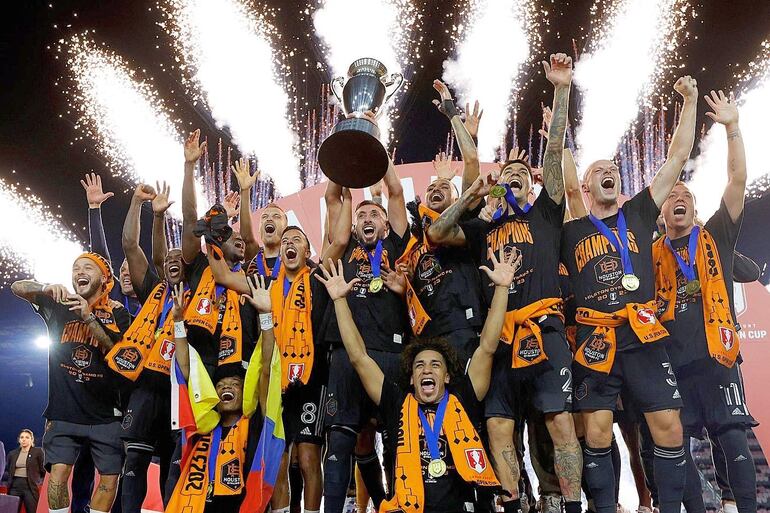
column 446, row 231
column 559, row 73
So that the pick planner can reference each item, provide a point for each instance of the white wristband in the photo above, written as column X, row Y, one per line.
column 266, row 321
column 179, row 330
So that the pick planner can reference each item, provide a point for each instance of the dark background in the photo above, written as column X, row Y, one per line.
column 37, row 134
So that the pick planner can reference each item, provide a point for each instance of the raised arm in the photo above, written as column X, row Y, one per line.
column 396, row 204
column 259, row 297
column 576, row 206
column 95, row 197
column 502, row 275
column 191, row 245
column 446, row 231
column 340, row 230
column 181, row 347
column 681, row 142
column 160, row 204
column 137, row 260
column 29, row 290
column 726, row 114
column 223, row 275
column 246, row 182
column 559, row 73
column 368, row 371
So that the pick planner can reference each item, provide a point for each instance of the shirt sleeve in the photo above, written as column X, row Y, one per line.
column 149, row 283
column 399, row 244
column 722, row 228
column 122, row 321
column 550, row 210
column 745, row 270
column 45, row 307
column 96, row 233
column 643, row 206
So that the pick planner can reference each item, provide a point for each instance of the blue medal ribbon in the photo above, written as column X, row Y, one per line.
column 687, row 268
column 127, row 304
column 620, row 246
column 286, row 286
column 432, row 432
column 375, row 259
column 511, row 200
column 216, row 439
column 168, row 304
column 262, row 269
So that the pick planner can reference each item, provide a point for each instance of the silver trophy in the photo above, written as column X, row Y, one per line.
column 353, row 155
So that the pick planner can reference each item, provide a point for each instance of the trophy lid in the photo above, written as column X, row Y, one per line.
column 367, row 65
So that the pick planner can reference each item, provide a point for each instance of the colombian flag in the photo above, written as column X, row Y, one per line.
column 272, row 440
column 193, row 403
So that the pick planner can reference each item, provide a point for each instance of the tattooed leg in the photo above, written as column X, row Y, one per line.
column 567, row 455
column 104, row 495
column 58, row 494
column 504, row 459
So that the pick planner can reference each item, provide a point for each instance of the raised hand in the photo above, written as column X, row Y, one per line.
column 489, row 210
column 442, row 165
column 504, row 269
column 56, row 292
column 160, row 202
column 473, row 118
column 242, row 173
column 177, row 293
column 687, row 87
column 334, row 280
column 79, row 305
column 192, row 149
column 375, row 189
column 231, row 203
column 144, row 192
column 547, row 117
column 725, row 110
column 94, row 193
column 559, row 71
column 260, row 294
column 394, row 280
column 444, row 94
column 516, row 154
column 481, row 186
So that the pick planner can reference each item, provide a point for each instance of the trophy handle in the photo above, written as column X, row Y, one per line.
column 338, row 82
column 396, row 79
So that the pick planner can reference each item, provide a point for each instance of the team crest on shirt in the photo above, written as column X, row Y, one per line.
column 167, row 350
column 226, row 347
column 296, row 370
column 645, row 316
column 608, row 270
column 230, row 475
column 476, row 460
column 127, row 359
column 727, row 336
column 81, row 356
column 596, row 349
column 204, row 306
column 529, row 349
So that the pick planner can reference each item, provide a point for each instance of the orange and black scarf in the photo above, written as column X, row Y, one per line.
column 721, row 336
column 521, row 329
column 293, row 326
column 597, row 352
column 470, row 458
column 103, row 306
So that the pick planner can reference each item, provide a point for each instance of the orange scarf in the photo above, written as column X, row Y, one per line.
column 230, row 471
column 145, row 344
column 721, row 336
column 521, row 329
column 418, row 317
column 203, row 311
column 597, row 352
column 103, row 306
column 470, row 458
column 293, row 326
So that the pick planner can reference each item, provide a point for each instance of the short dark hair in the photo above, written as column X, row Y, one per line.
column 417, row 346
column 300, row 230
column 518, row 161
column 370, row 202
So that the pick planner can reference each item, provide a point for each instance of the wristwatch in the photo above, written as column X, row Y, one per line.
column 91, row 318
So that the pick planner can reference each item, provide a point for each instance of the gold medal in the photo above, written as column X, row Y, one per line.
column 376, row 285
column 692, row 287
column 497, row 191
column 630, row 282
column 436, row 468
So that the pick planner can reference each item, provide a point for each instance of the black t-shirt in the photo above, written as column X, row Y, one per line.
column 204, row 342
column 536, row 237
column 381, row 317
column 446, row 281
column 448, row 492
column 81, row 387
column 688, row 335
column 596, row 270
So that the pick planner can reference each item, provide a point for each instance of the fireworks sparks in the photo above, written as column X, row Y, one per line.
column 32, row 240
column 228, row 54
column 710, row 167
column 125, row 116
column 478, row 73
column 631, row 51
column 380, row 29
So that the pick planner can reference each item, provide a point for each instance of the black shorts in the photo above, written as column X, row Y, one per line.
column 464, row 342
column 713, row 399
column 347, row 403
column 147, row 419
column 547, row 389
column 302, row 408
column 644, row 373
column 63, row 441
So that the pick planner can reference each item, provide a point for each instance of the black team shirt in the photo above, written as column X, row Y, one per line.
column 81, row 387
column 595, row 268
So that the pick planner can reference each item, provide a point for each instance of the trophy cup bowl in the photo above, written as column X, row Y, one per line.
column 352, row 155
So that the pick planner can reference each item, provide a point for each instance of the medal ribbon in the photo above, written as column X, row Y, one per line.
column 286, row 286
column 216, row 438
column 687, row 268
column 128, row 307
column 432, row 432
column 168, row 303
column 619, row 246
column 375, row 259
column 262, row 269
column 511, row 200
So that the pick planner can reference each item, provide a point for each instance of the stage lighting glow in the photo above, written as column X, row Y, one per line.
column 42, row 342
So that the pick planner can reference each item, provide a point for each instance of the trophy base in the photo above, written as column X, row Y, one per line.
column 353, row 156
